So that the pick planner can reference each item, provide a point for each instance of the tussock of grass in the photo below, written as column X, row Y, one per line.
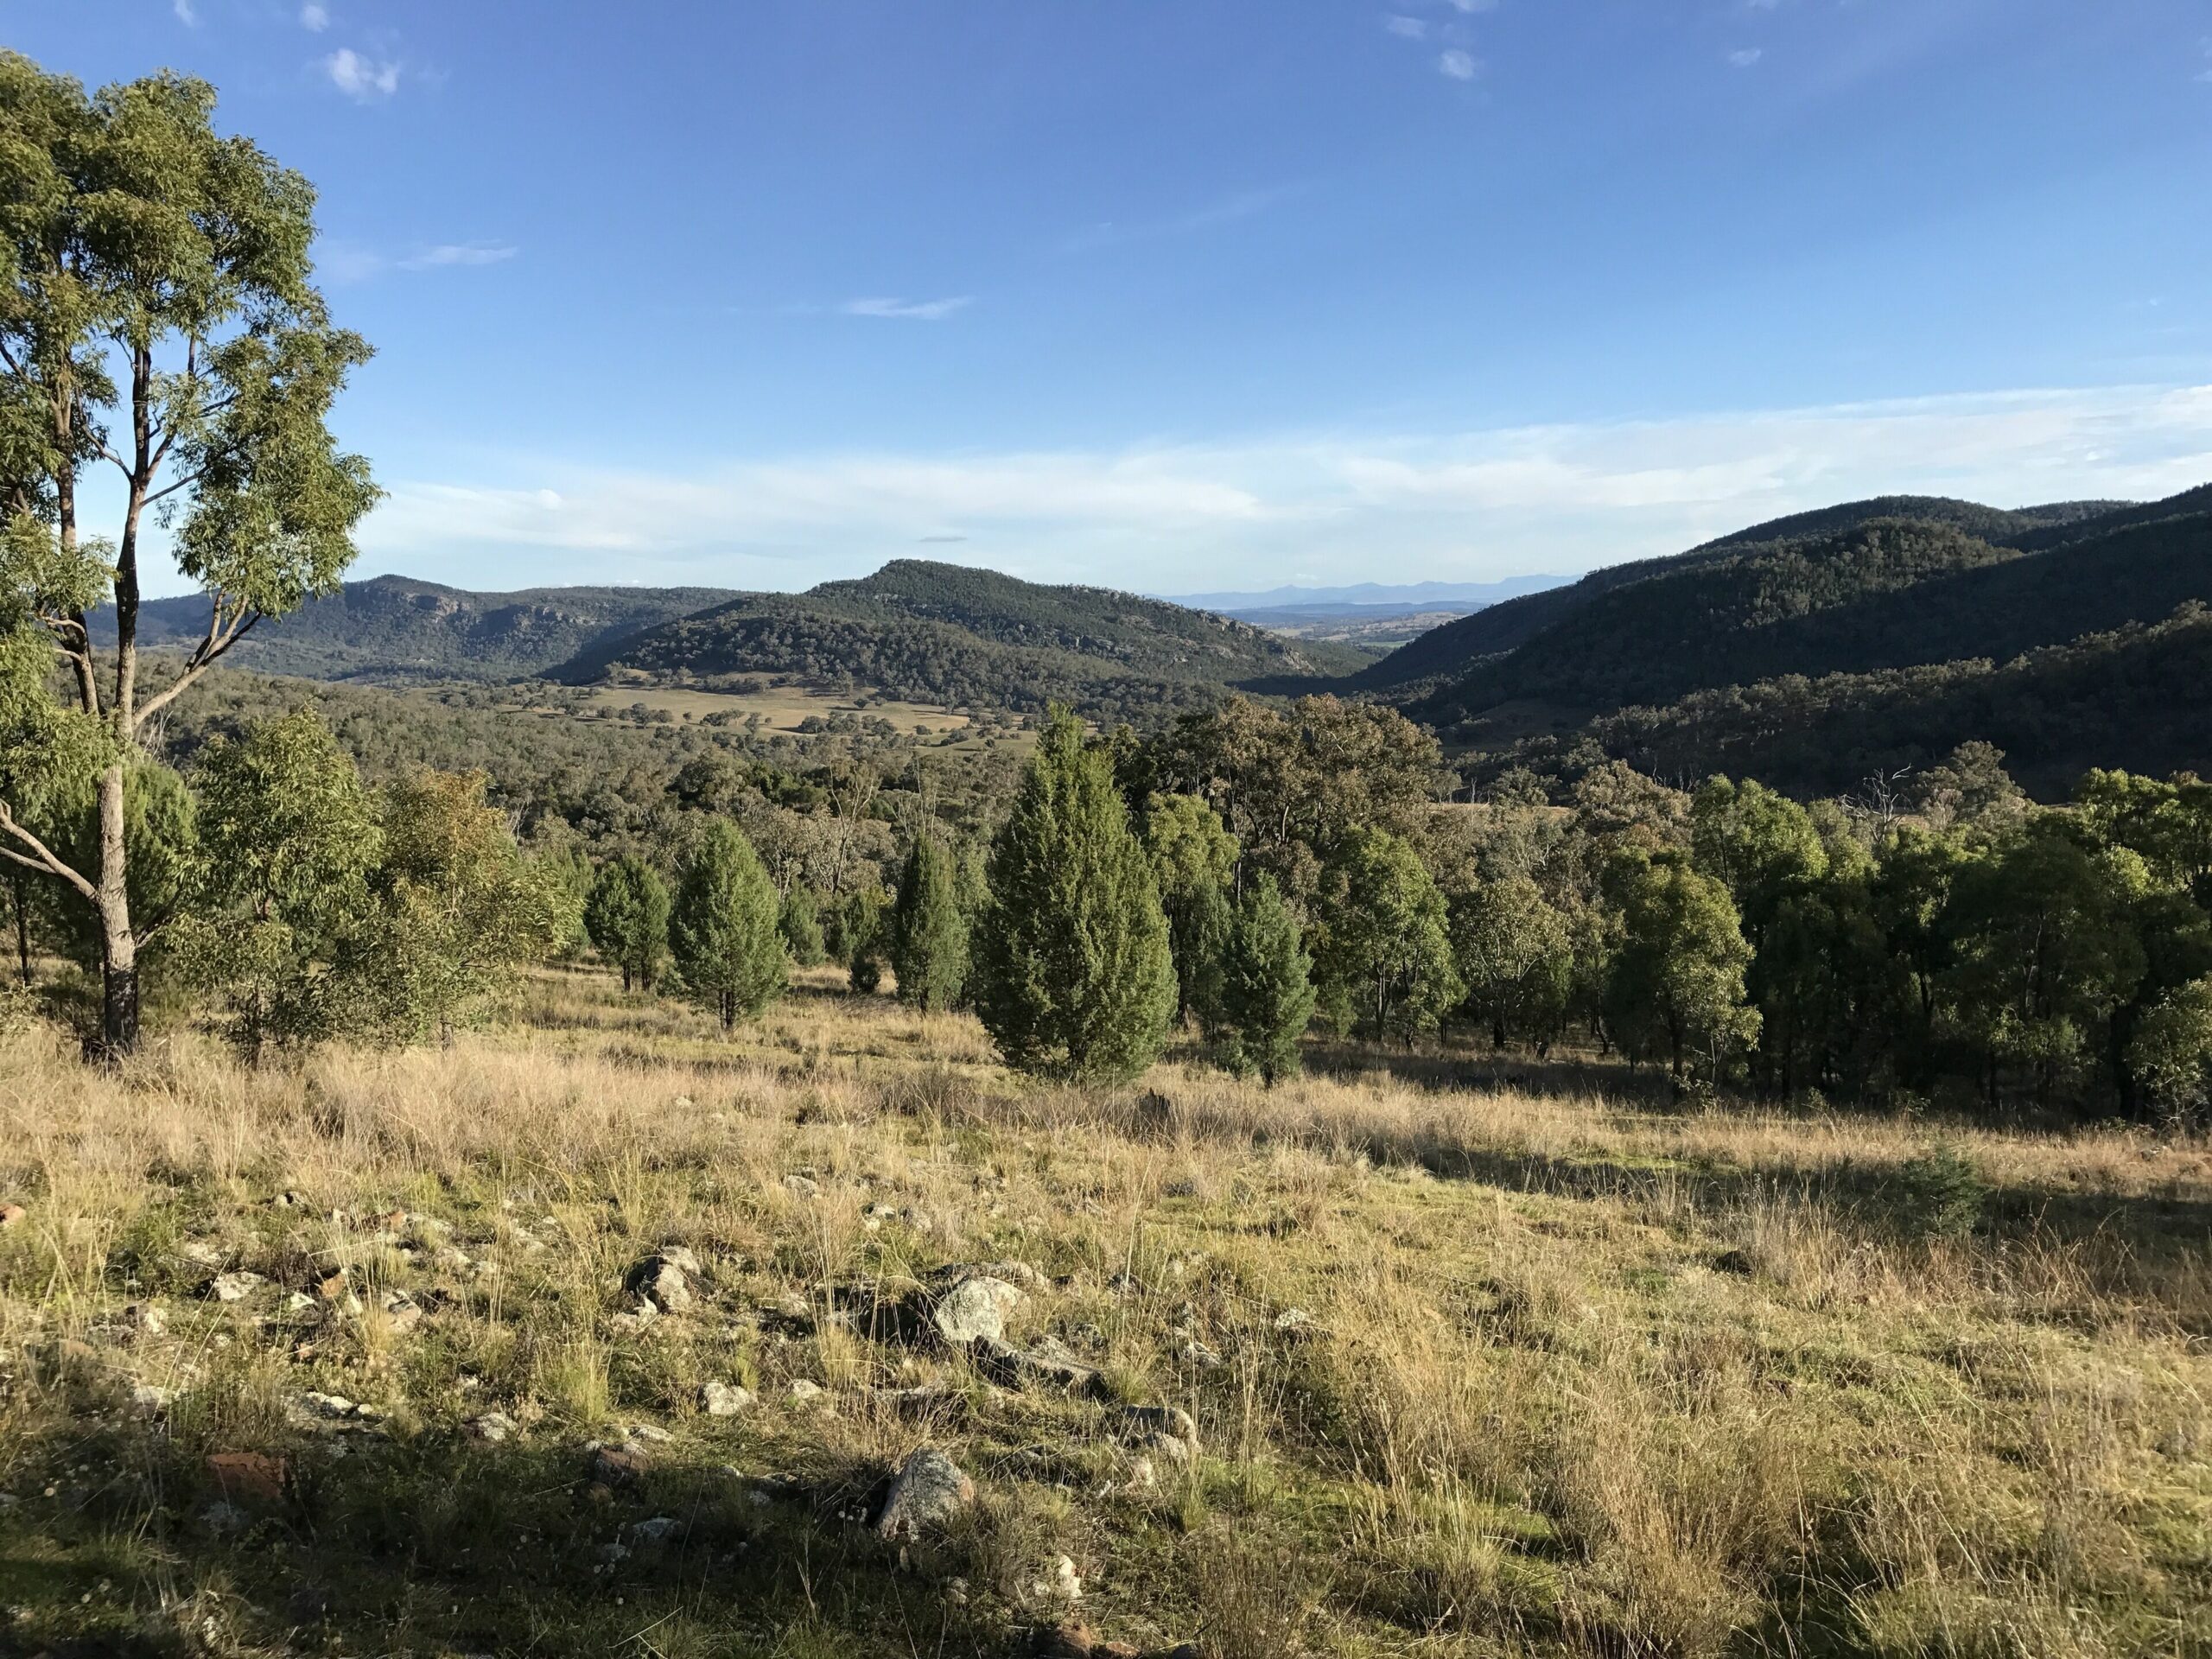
column 1486, row 1372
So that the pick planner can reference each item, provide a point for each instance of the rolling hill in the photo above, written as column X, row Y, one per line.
column 1454, row 649
column 945, row 633
column 1816, row 658
column 397, row 628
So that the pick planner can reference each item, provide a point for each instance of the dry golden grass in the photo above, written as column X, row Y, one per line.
column 1496, row 1373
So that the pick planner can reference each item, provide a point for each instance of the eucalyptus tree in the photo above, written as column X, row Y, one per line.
column 158, row 321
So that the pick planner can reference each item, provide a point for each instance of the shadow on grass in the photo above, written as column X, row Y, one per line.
column 441, row 1545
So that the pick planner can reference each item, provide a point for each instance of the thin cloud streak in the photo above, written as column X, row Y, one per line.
column 1479, row 505
column 460, row 254
column 908, row 310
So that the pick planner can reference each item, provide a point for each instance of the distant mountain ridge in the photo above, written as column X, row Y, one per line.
column 400, row 628
column 947, row 633
column 1360, row 596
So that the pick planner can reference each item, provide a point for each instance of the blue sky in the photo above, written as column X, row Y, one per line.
column 1218, row 293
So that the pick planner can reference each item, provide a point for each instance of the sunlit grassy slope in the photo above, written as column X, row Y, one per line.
column 1470, row 1372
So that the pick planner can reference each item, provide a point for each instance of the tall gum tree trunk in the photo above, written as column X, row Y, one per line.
column 118, row 943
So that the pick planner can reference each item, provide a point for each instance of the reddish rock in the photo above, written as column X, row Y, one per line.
column 620, row 1466
column 253, row 1476
column 13, row 1214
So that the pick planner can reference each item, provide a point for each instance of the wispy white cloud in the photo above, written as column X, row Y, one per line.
column 366, row 81
column 314, row 17
column 1475, row 504
column 458, row 253
column 185, row 13
column 340, row 261
column 1457, row 64
column 1245, row 204
column 1744, row 58
column 1411, row 29
column 1469, row 6
column 908, row 310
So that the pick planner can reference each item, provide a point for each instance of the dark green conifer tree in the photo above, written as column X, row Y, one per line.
column 929, row 935
column 627, row 915
column 800, row 923
column 723, row 928
column 1265, row 995
column 1076, row 980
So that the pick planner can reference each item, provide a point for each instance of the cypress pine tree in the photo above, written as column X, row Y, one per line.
column 1266, row 994
column 1192, row 857
column 627, row 916
column 800, row 923
column 929, row 935
column 1076, row 981
column 861, row 929
column 723, row 928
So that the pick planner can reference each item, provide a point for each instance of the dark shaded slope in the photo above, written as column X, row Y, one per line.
column 1451, row 651
column 1889, row 595
column 2132, row 698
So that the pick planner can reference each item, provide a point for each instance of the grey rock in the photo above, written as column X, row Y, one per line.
column 492, row 1428
column 975, row 1309
column 149, row 1400
column 724, row 1399
column 1048, row 1363
column 234, row 1287
column 1137, row 1422
column 930, row 1490
column 661, row 1282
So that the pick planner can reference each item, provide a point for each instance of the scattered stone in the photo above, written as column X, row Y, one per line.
column 929, row 1490
column 660, row 1281
column 975, row 1309
column 299, row 1302
column 404, row 1311
column 1174, row 1451
column 620, row 1466
column 492, row 1428
column 145, row 1318
column 1293, row 1319
column 149, row 1400
column 13, row 1214
column 1196, row 1353
column 1065, row 1642
column 655, row 1530
column 288, row 1200
column 1065, row 1583
column 724, row 1399
column 222, row 1518
column 1048, row 1363
column 254, row 1477
column 1138, row 1423
column 802, row 1186
column 234, row 1287
column 201, row 1253
column 328, row 1405
column 682, row 1258
column 805, row 1393
column 650, row 1433
column 332, row 1287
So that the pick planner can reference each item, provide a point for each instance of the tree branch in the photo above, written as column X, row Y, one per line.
column 204, row 655
column 44, row 862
